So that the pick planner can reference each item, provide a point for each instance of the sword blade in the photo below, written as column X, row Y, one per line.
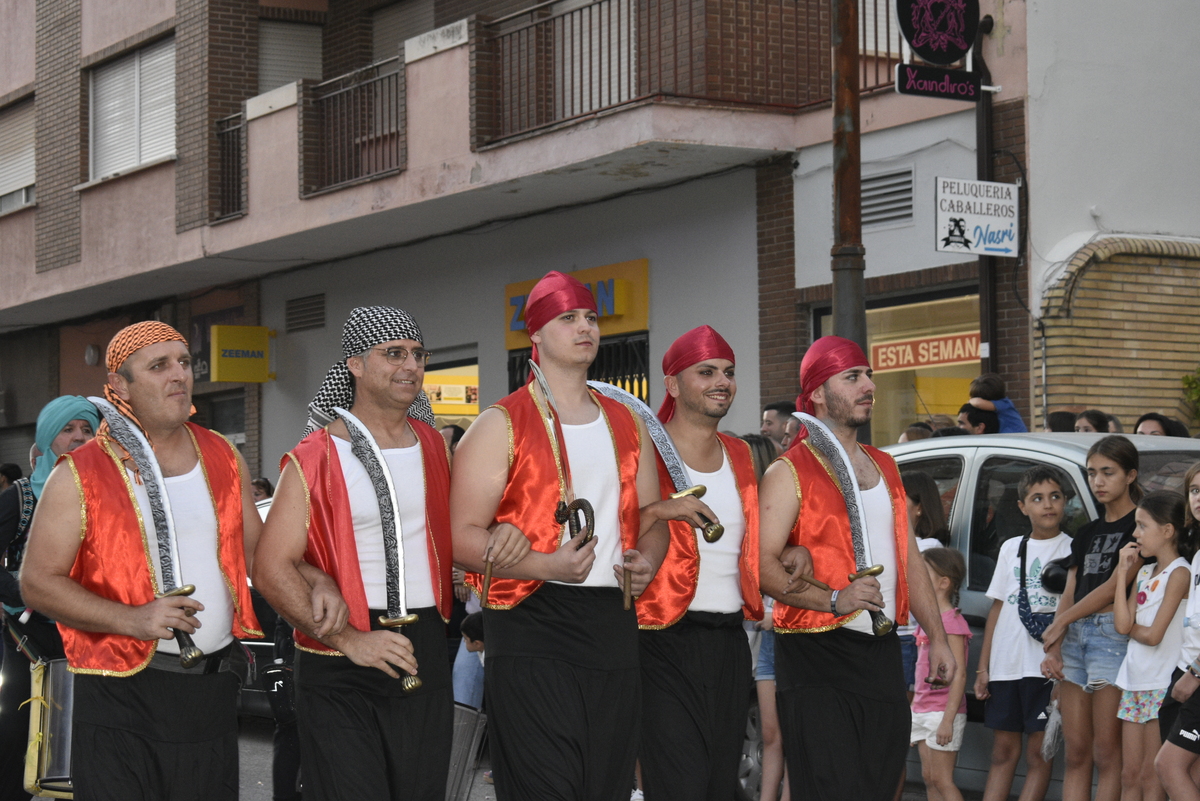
column 554, row 430
column 658, row 432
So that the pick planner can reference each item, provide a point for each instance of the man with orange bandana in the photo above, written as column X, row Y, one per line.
column 151, row 503
column 561, row 680
column 843, row 706
column 696, row 675
column 364, row 498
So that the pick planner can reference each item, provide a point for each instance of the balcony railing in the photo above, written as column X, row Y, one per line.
column 538, row 67
column 353, row 127
column 231, row 179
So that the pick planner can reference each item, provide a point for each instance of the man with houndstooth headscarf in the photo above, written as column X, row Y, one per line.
column 364, row 498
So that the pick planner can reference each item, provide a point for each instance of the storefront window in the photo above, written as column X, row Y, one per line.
column 924, row 355
column 454, row 393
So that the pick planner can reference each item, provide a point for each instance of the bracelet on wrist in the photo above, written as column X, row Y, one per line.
column 833, row 603
column 1193, row 670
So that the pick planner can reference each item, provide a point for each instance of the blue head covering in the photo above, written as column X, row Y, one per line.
column 53, row 418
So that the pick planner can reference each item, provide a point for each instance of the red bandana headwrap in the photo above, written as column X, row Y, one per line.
column 693, row 347
column 128, row 341
column 827, row 357
column 553, row 295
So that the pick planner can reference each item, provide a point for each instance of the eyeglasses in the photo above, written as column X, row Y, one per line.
column 398, row 356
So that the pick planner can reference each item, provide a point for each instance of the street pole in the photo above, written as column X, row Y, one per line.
column 848, row 254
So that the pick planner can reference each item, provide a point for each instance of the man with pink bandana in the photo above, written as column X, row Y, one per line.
column 843, row 706
column 562, row 676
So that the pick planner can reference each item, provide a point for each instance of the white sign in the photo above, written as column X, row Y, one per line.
column 979, row 217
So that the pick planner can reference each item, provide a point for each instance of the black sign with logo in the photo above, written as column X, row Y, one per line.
column 936, row 82
column 939, row 31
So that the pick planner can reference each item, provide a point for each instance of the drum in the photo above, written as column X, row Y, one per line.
column 48, row 760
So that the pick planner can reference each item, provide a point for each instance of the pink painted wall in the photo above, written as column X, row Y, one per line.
column 106, row 23
column 17, row 50
column 128, row 223
column 16, row 244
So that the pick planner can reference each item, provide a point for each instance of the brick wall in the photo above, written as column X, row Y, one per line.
column 216, row 68
column 347, row 43
column 1014, row 324
column 447, row 11
column 781, row 328
column 61, row 138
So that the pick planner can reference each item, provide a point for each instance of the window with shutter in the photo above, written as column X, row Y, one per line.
column 133, row 109
column 287, row 52
column 17, row 166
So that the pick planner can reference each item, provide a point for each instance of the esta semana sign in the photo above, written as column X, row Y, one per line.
column 910, row 354
column 913, row 79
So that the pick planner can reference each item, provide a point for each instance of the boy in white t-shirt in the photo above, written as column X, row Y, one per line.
column 1011, row 677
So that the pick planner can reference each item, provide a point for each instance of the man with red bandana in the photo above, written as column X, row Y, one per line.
column 146, row 727
column 843, row 706
column 561, row 680
column 696, row 673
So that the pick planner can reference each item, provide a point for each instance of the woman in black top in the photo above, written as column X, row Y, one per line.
column 1082, row 644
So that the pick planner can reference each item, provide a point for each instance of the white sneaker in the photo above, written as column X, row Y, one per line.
column 636, row 795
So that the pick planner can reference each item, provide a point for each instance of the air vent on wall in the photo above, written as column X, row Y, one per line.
column 887, row 198
column 305, row 313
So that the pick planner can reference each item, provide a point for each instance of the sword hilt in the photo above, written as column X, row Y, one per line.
column 880, row 623
column 189, row 654
column 569, row 513
column 408, row 682
column 712, row 531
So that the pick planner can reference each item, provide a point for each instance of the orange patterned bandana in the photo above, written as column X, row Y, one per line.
column 128, row 341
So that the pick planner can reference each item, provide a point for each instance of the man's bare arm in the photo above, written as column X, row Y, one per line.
column 279, row 576
column 778, row 508
column 46, row 583
column 924, row 604
column 476, row 487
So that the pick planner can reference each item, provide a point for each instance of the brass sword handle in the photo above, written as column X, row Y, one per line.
column 880, row 624
column 409, row 682
column 711, row 531
column 189, row 654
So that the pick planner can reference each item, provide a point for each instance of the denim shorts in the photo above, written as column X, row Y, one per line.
column 1092, row 652
column 766, row 657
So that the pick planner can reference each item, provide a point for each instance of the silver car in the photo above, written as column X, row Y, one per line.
column 977, row 477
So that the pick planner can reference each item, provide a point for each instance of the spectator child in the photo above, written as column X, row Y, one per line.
column 1010, row 676
column 939, row 714
column 927, row 522
column 1091, row 421
column 468, row 671
column 1061, row 422
column 988, row 392
column 1152, row 616
column 1082, row 644
column 1179, row 718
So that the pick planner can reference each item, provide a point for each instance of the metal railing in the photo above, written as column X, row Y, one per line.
column 360, row 125
column 231, row 183
column 557, row 66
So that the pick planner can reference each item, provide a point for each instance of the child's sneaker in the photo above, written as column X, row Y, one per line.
column 487, row 777
column 636, row 795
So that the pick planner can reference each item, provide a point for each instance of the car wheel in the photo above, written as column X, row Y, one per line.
column 750, row 770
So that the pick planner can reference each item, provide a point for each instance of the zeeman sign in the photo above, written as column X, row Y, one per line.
column 241, row 353
column 622, row 294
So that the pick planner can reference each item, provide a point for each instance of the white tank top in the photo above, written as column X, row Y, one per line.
column 877, row 518
column 196, row 541
column 408, row 476
column 593, row 458
column 718, row 588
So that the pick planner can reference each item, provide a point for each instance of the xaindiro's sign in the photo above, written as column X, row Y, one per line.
column 913, row 79
column 979, row 217
column 939, row 31
column 909, row 354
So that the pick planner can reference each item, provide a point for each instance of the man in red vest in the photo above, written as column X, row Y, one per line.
column 696, row 676
column 843, row 706
column 562, row 682
column 164, row 502
column 365, row 500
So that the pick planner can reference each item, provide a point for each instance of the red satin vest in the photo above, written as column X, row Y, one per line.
column 331, row 545
column 534, row 482
column 823, row 526
column 674, row 586
column 114, row 559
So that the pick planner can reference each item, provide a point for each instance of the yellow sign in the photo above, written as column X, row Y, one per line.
column 622, row 294
column 241, row 353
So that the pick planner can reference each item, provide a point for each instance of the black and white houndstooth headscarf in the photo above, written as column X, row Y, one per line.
column 366, row 327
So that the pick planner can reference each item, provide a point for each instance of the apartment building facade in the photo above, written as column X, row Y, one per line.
column 276, row 163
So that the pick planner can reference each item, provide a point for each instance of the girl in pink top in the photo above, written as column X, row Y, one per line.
column 939, row 714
